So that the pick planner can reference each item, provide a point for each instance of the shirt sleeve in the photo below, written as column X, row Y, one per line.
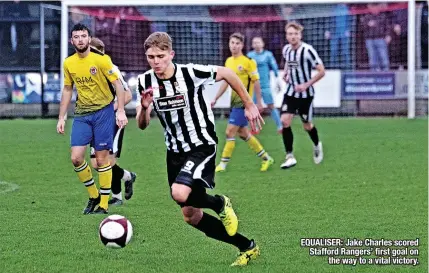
column 273, row 64
column 314, row 57
column 253, row 70
column 67, row 77
column 203, row 74
column 108, row 69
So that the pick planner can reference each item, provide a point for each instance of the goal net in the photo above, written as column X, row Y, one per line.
column 366, row 70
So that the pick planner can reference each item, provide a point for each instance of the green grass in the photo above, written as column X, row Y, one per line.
column 372, row 184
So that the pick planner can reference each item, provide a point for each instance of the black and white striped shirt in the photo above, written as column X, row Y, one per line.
column 300, row 63
column 187, row 118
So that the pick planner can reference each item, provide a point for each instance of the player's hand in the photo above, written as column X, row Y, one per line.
column 60, row 126
column 213, row 103
column 301, row 87
column 121, row 118
column 146, row 99
column 254, row 117
column 279, row 85
column 286, row 77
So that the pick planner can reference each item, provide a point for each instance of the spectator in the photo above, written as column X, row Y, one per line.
column 377, row 37
column 339, row 38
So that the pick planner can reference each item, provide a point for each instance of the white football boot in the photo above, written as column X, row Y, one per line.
column 318, row 153
column 289, row 162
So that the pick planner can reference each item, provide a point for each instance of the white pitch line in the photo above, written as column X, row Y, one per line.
column 10, row 187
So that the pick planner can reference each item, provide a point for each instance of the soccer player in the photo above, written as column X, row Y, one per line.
column 247, row 71
column 176, row 91
column 118, row 173
column 300, row 58
column 266, row 63
column 91, row 72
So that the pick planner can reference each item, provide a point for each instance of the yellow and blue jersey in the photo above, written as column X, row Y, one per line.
column 247, row 70
column 92, row 77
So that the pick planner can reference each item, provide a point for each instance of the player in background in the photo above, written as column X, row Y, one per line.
column 91, row 72
column 300, row 58
column 118, row 173
column 176, row 91
column 247, row 71
column 266, row 63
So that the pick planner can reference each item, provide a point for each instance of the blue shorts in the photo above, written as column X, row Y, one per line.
column 96, row 128
column 266, row 94
column 237, row 117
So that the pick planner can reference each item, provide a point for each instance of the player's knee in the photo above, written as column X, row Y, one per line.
column 102, row 161
column 286, row 121
column 230, row 133
column 307, row 126
column 77, row 160
column 179, row 196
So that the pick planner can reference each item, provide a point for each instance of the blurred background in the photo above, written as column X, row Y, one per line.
column 343, row 35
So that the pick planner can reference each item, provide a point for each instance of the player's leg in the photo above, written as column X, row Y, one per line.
column 103, row 130
column 81, row 136
column 267, row 96
column 197, row 173
column 287, row 113
column 256, row 146
column 120, row 173
column 116, row 198
column 214, row 229
column 306, row 114
column 234, row 124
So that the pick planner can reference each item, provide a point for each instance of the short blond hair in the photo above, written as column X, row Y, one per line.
column 160, row 40
column 238, row 36
column 97, row 44
column 294, row 25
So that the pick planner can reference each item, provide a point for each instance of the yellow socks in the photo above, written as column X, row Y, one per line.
column 85, row 176
column 105, row 177
column 256, row 146
column 227, row 150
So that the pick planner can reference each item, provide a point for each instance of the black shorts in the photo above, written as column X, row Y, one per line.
column 195, row 169
column 301, row 106
column 117, row 143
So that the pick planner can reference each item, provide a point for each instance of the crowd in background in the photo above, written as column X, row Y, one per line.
column 351, row 37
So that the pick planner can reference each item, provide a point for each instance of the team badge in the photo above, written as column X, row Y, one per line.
column 93, row 70
column 240, row 67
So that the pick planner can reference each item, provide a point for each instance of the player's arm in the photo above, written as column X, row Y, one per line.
column 272, row 63
column 318, row 65
column 109, row 71
column 144, row 108
column 254, row 77
column 251, row 111
column 128, row 98
column 128, row 94
column 258, row 92
column 223, row 87
column 66, row 96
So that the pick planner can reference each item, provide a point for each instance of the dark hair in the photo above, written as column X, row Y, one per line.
column 97, row 43
column 78, row 27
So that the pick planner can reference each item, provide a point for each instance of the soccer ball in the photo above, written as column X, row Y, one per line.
column 115, row 231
